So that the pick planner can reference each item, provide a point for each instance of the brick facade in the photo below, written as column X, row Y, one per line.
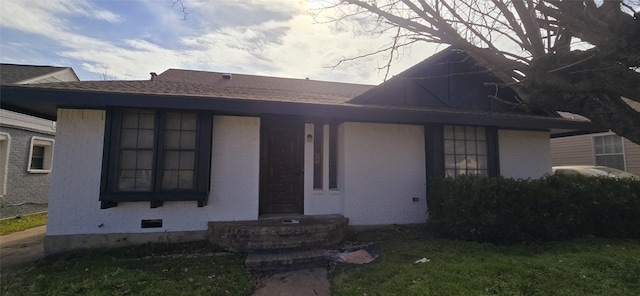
column 26, row 193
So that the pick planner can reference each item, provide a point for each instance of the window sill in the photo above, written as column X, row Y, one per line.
column 37, row 171
column 111, row 199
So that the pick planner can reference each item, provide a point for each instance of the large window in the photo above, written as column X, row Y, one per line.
column 465, row 151
column 609, row 151
column 156, row 156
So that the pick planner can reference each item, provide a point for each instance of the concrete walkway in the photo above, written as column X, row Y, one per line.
column 18, row 249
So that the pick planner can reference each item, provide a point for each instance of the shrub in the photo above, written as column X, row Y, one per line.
column 505, row 211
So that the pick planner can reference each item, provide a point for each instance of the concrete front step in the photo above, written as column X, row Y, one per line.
column 272, row 234
column 286, row 260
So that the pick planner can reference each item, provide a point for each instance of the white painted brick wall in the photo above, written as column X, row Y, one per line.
column 524, row 154
column 73, row 201
column 383, row 171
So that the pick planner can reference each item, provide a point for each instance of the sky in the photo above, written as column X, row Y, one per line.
column 128, row 39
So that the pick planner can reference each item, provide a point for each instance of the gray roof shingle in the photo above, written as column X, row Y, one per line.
column 175, row 82
column 12, row 73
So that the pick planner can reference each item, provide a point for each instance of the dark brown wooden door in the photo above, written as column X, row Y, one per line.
column 281, row 167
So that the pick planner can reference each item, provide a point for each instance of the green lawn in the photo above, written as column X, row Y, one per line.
column 582, row 267
column 22, row 223
column 590, row 266
column 180, row 269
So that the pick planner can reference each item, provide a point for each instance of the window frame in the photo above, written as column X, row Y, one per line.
column 622, row 153
column 110, row 195
column 47, row 155
column 5, row 151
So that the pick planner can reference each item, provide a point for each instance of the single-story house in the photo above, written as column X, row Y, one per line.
column 163, row 157
column 602, row 148
column 26, row 145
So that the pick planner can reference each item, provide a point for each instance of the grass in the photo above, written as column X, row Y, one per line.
column 21, row 223
column 158, row 269
column 590, row 266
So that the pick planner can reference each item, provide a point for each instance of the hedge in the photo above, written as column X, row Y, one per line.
column 506, row 211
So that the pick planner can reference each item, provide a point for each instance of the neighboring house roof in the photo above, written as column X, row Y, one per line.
column 23, row 74
column 253, row 95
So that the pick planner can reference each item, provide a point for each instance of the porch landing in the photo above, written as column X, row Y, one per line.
column 282, row 242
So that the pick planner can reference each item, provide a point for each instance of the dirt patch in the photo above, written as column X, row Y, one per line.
column 21, row 248
column 313, row 282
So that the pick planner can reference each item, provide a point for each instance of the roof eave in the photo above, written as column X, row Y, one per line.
column 45, row 102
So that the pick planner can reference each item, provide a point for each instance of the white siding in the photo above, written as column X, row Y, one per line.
column 524, row 154
column 235, row 170
column 384, row 169
column 73, row 202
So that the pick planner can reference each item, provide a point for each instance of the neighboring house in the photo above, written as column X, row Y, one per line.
column 604, row 148
column 26, row 145
column 161, row 158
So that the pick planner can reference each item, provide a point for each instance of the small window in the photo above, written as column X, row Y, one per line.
column 609, row 151
column 465, row 151
column 5, row 141
column 40, row 155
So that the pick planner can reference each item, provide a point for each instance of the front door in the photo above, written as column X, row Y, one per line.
column 281, row 167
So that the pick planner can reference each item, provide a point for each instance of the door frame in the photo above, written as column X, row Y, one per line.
column 274, row 125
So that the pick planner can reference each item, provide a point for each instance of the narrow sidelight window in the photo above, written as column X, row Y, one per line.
column 333, row 156
column 318, row 144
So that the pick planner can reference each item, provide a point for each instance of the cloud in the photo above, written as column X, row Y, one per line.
column 275, row 37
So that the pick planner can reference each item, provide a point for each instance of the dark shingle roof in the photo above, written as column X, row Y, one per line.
column 12, row 73
column 175, row 82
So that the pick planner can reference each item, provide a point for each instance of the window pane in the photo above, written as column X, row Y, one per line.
column 185, row 179
column 188, row 140
column 189, row 121
column 617, row 145
column 460, row 145
column 170, row 180
column 130, row 119
column 459, row 132
column 143, row 180
column 482, row 148
column 147, row 120
column 173, row 121
column 448, row 147
column 37, row 151
column 187, row 160
column 482, row 162
column 128, row 159
column 172, row 160
column 145, row 139
column 449, row 161
column 470, row 133
column 461, row 162
column 145, row 159
column 472, row 162
column 172, row 140
column 481, row 134
column 129, row 138
column 471, row 147
column 37, row 157
column 448, row 132
column 613, row 161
